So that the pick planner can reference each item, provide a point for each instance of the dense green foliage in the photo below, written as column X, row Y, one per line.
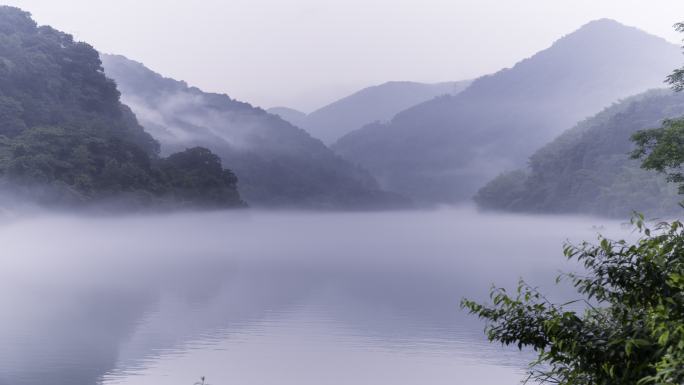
column 631, row 330
column 278, row 164
column 662, row 149
column 676, row 78
column 587, row 169
column 196, row 176
column 65, row 136
column 445, row 149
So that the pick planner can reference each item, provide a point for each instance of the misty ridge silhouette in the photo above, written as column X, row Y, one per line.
column 422, row 144
column 442, row 150
column 277, row 164
column 445, row 149
column 373, row 104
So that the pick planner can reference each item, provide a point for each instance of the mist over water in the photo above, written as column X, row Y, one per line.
column 254, row 297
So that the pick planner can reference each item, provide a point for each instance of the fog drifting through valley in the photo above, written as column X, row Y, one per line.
column 255, row 297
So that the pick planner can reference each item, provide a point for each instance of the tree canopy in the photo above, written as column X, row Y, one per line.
column 676, row 78
column 662, row 148
column 631, row 330
column 63, row 129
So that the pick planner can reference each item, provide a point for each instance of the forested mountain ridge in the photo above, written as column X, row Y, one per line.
column 588, row 170
column 372, row 104
column 445, row 149
column 278, row 164
column 66, row 138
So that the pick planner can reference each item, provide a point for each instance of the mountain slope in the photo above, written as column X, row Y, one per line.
column 377, row 103
column 443, row 150
column 278, row 165
column 587, row 169
column 289, row 115
column 66, row 138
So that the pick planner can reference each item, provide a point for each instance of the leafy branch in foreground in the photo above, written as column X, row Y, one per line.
column 676, row 78
column 662, row 149
column 631, row 330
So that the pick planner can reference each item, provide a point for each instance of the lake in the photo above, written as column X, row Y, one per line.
column 250, row 297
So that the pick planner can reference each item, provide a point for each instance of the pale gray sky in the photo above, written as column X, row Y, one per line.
column 305, row 53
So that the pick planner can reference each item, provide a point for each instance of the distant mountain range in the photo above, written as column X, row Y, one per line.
column 445, row 149
column 70, row 134
column 373, row 104
column 587, row 169
column 278, row 164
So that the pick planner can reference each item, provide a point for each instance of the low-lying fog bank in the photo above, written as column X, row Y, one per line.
column 245, row 296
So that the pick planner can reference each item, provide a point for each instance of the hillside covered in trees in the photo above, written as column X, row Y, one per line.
column 588, row 168
column 445, row 149
column 278, row 164
column 66, row 138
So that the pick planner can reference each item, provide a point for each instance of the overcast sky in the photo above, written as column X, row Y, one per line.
column 305, row 53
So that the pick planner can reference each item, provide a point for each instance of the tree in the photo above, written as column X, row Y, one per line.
column 196, row 176
column 631, row 330
column 662, row 149
column 676, row 78
column 65, row 136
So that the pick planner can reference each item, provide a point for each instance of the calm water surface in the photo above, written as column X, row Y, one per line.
column 268, row 298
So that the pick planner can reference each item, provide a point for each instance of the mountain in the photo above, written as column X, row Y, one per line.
column 443, row 150
column 278, row 164
column 587, row 169
column 373, row 104
column 65, row 137
column 291, row 115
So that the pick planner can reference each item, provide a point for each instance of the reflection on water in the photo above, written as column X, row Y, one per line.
column 266, row 298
